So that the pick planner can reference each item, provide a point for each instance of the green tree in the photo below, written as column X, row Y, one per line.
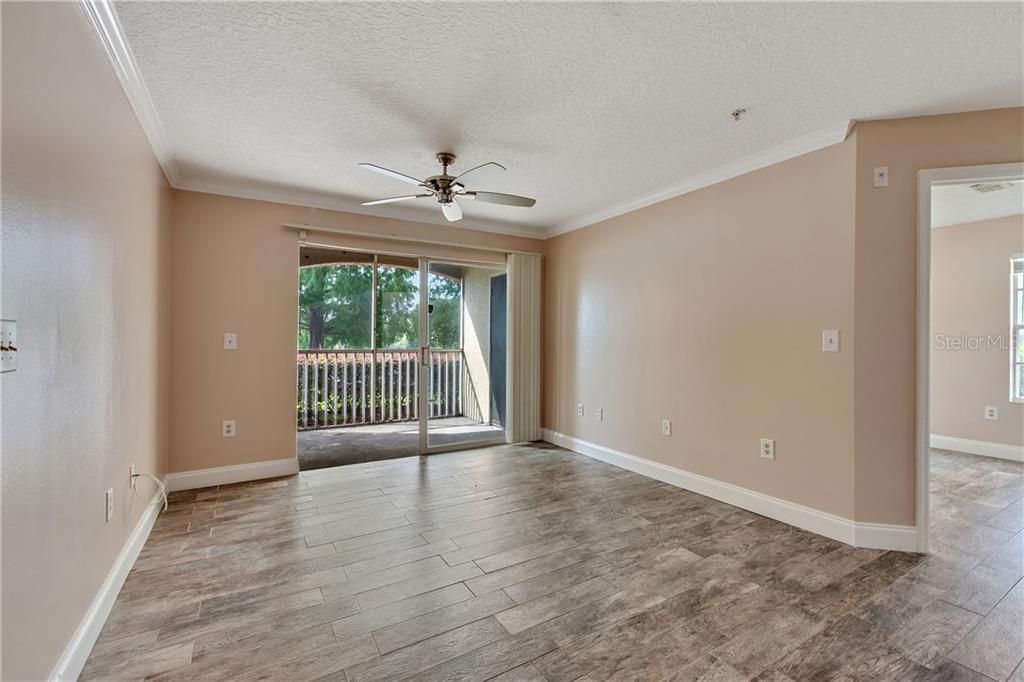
column 445, row 311
column 398, row 312
column 335, row 307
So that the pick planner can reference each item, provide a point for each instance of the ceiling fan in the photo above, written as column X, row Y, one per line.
column 447, row 188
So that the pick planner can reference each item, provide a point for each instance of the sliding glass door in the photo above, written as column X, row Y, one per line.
column 409, row 353
column 462, row 355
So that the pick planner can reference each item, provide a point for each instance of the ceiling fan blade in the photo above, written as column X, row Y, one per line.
column 392, row 200
column 452, row 211
column 482, row 165
column 499, row 198
column 391, row 174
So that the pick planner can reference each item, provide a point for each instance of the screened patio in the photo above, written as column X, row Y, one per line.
column 358, row 383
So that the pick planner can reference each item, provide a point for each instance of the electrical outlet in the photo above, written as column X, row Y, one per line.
column 131, row 476
column 991, row 412
column 767, row 448
column 880, row 175
column 230, row 341
column 579, row 409
column 227, row 428
column 110, row 504
column 666, row 427
column 600, row 414
column 8, row 345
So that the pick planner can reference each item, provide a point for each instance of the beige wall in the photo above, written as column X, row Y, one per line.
column 707, row 309
column 970, row 294
column 234, row 269
column 886, row 289
column 85, row 265
column 818, row 247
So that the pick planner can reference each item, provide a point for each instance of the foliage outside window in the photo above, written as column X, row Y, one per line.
column 1017, row 321
column 445, row 312
column 335, row 308
column 398, row 307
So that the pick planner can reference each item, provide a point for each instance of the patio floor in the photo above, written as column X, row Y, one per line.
column 377, row 442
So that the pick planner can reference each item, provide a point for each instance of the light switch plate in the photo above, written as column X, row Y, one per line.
column 230, row 341
column 881, row 176
column 830, row 340
column 8, row 345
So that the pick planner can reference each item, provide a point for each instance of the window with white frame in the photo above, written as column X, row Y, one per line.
column 1017, row 329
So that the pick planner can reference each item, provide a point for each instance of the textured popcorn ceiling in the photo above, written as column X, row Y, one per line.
column 589, row 105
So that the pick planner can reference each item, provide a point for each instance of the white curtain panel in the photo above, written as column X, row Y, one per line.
column 524, row 303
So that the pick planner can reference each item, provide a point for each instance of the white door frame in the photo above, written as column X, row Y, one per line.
column 422, row 367
column 926, row 179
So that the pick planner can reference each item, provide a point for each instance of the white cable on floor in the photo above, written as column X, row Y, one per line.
column 159, row 483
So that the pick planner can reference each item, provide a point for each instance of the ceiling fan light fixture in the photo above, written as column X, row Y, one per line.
column 445, row 188
column 452, row 211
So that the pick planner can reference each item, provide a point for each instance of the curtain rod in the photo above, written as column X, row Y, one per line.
column 410, row 255
column 394, row 237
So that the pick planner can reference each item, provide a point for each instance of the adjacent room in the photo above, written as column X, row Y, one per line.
column 512, row 342
column 976, row 377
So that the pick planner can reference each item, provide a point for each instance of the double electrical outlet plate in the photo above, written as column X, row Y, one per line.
column 110, row 492
column 599, row 413
column 8, row 345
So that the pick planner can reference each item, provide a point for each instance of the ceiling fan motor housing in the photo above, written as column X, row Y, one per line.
column 447, row 188
column 442, row 184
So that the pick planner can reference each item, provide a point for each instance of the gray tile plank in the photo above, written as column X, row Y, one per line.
column 555, row 604
column 418, row 584
column 367, row 621
column 995, row 647
column 428, row 653
column 440, row 620
column 933, row 632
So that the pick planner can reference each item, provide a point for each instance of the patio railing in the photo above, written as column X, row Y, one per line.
column 351, row 387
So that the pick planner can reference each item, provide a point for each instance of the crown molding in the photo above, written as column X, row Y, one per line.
column 245, row 189
column 103, row 19
column 787, row 150
column 107, row 26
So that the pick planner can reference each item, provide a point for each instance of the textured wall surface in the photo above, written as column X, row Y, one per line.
column 886, row 282
column 86, row 219
column 588, row 104
column 707, row 310
column 971, row 295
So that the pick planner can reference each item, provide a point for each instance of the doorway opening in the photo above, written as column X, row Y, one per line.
column 970, row 458
column 384, row 370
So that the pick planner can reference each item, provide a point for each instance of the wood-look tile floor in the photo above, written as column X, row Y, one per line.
column 519, row 563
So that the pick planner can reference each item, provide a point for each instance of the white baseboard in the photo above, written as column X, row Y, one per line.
column 1014, row 453
column 239, row 473
column 873, row 535
column 71, row 662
